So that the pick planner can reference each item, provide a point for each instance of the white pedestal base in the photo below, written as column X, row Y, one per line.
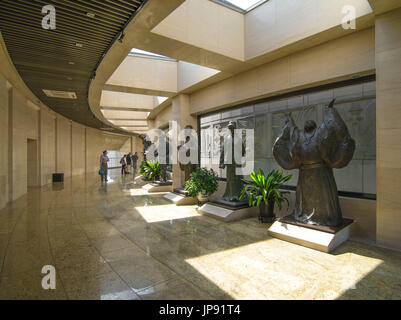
column 227, row 215
column 155, row 188
column 307, row 237
column 180, row 200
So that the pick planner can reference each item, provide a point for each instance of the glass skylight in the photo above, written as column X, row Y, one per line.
column 243, row 5
column 143, row 53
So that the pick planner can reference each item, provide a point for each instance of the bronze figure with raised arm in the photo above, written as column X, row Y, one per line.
column 315, row 151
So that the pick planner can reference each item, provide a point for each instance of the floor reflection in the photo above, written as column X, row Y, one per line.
column 115, row 241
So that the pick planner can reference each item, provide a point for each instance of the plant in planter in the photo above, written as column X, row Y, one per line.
column 202, row 184
column 264, row 192
column 142, row 171
column 150, row 170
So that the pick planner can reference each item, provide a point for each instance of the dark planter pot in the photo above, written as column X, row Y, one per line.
column 203, row 197
column 266, row 212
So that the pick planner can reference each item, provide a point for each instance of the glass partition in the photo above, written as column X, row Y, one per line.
column 355, row 103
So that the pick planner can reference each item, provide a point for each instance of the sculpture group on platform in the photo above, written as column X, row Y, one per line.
column 314, row 151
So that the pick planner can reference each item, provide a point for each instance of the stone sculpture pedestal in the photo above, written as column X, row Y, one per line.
column 159, row 186
column 322, row 238
column 140, row 182
column 227, row 213
column 180, row 197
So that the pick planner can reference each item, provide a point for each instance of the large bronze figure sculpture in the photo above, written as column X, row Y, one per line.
column 315, row 151
column 234, row 183
column 189, row 167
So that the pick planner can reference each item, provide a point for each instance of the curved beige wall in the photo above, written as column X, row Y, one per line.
column 61, row 144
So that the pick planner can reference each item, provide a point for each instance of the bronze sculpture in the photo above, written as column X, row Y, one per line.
column 146, row 144
column 315, row 151
column 189, row 167
column 234, row 183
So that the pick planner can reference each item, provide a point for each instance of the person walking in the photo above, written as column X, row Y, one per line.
column 104, row 159
column 128, row 158
column 134, row 162
column 123, row 162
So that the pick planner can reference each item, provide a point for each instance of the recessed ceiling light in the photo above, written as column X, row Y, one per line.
column 60, row 94
column 79, row 45
column 90, row 14
column 71, row 62
column 69, row 78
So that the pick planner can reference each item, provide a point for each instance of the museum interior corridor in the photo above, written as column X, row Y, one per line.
column 113, row 241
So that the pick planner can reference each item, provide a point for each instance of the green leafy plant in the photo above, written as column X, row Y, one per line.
column 265, row 188
column 202, row 180
column 142, row 170
column 150, row 170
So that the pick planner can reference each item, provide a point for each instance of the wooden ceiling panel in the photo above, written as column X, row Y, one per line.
column 50, row 59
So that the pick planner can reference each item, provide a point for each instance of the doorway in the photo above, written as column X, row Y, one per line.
column 32, row 163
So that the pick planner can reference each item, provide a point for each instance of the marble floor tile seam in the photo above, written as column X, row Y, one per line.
column 8, row 245
column 77, row 283
column 118, row 274
column 169, row 267
column 183, row 279
column 52, row 252
column 110, row 265
column 157, row 260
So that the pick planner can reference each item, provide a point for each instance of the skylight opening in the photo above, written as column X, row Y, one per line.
column 241, row 5
column 147, row 54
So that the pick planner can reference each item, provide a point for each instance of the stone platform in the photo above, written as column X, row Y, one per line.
column 158, row 187
column 180, row 197
column 322, row 238
column 227, row 213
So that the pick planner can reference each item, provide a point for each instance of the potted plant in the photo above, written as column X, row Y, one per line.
column 202, row 184
column 264, row 192
column 150, row 170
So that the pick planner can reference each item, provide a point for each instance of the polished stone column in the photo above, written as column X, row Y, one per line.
column 388, row 113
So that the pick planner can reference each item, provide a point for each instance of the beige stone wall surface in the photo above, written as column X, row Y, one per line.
column 3, row 142
column 24, row 124
column 388, row 115
column 47, row 146
column 335, row 60
column 78, row 149
column 63, row 151
column 163, row 118
column 265, row 30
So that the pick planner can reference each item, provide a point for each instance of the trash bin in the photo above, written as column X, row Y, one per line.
column 58, row 177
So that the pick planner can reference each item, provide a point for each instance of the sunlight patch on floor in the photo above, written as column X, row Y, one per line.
column 140, row 192
column 275, row 269
column 154, row 213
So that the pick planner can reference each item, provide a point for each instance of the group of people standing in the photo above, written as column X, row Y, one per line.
column 127, row 161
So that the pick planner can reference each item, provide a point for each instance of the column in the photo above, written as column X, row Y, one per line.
column 181, row 114
column 388, row 114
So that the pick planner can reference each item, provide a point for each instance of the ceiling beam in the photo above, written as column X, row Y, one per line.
column 126, row 109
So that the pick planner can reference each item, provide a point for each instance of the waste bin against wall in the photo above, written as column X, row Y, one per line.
column 58, row 177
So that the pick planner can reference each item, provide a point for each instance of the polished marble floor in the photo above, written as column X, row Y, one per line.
column 114, row 241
